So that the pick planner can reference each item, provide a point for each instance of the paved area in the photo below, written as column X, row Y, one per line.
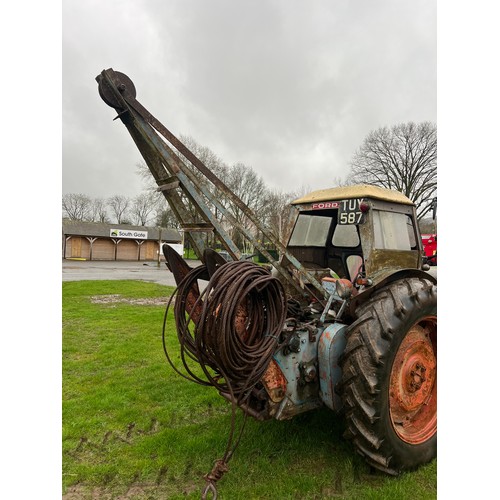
column 77, row 270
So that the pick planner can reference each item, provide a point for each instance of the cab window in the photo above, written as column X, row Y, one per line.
column 310, row 231
column 393, row 231
column 345, row 236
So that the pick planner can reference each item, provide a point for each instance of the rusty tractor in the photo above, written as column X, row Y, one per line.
column 345, row 317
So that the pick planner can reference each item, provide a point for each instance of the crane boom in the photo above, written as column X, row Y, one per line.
column 161, row 151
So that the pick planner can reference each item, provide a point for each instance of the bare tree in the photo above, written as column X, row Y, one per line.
column 77, row 207
column 166, row 218
column 403, row 158
column 245, row 183
column 99, row 212
column 277, row 212
column 143, row 207
column 119, row 206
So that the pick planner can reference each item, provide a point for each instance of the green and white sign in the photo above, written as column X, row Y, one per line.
column 128, row 233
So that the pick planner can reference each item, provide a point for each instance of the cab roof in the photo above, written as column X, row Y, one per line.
column 356, row 191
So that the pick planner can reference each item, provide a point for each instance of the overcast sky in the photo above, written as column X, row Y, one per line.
column 290, row 88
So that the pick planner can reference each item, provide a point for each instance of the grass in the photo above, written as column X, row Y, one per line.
column 134, row 428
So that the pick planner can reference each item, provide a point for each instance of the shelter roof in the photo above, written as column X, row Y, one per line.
column 99, row 229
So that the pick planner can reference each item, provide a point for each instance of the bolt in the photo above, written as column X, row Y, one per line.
column 121, row 87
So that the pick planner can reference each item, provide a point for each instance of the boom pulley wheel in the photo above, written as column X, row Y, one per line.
column 123, row 84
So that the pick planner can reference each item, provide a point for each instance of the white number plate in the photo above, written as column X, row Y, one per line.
column 350, row 212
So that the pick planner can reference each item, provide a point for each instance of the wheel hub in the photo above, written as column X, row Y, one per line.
column 417, row 377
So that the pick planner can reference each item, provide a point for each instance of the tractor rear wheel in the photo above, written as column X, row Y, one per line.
column 389, row 377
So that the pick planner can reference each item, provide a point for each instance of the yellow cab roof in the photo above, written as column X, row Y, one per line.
column 355, row 191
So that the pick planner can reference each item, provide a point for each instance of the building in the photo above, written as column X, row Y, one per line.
column 97, row 241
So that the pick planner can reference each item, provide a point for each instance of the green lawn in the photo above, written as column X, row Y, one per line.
column 132, row 426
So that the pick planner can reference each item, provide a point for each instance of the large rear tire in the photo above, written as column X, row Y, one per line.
column 389, row 377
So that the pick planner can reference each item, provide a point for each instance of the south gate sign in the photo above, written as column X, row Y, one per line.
column 127, row 233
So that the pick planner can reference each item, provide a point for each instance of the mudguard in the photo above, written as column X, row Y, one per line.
column 330, row 347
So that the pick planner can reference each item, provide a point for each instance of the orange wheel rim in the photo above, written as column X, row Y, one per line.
column 413, row 384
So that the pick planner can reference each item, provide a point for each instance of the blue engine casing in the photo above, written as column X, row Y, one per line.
column 312, row 370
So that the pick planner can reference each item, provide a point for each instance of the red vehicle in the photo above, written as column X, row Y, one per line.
column 430, row 248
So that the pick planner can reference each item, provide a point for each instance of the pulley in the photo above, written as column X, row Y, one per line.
column 121, row 81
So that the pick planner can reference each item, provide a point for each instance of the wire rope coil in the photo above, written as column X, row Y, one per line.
column 231, row 330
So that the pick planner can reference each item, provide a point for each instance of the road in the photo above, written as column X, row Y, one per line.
column 78, row 270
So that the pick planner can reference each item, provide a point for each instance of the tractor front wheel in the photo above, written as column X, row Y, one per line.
column 389, row 377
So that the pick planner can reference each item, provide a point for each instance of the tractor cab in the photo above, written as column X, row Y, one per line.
column 355, row 232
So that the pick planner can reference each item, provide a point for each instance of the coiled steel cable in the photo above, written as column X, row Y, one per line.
column 239, row 318
column 235, row 330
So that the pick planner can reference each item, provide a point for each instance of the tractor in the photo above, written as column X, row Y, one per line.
column 345, row 317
